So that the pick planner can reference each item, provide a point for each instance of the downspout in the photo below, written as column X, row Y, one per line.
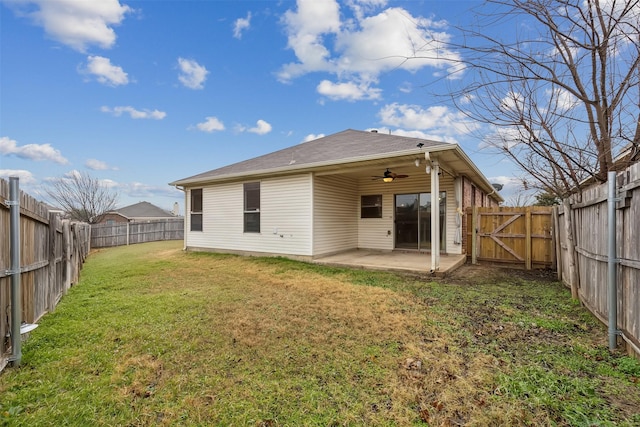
column 16, row 299
column 612, row 263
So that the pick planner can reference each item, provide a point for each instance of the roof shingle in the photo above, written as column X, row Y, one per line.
column 348, row 144
column 143, row 210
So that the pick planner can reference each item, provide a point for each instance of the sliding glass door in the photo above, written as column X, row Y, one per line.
column 413, row 221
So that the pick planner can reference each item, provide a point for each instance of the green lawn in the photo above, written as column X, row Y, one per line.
column 155, row 336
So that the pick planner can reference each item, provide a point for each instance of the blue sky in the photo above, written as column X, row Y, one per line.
column 142, row 93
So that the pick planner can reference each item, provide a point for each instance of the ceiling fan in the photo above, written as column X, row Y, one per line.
column 389, row 176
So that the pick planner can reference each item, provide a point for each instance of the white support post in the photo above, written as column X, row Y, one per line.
column 435, row 216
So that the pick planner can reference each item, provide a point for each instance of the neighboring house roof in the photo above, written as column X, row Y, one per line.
column 333, row 154
column 143, row 210
column 629, row 155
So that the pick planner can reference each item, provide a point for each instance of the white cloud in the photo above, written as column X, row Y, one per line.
column 193, row 75
column 133, row 113
column 467, row 99
column 306, row 28
column 73, row 173
column 240, row 25
column 365, row 46
column 210, row 124
column 98, row 165
column 502, row 138
column 312, row 136
column 438, row 120
column 562, row 99
column 512, row 103
column 261, row 128
column 109, row 183
column 362, row 7
column 25, row 177
column 10, row 147
column 406, row 87
column 75, row 23
column 140, row 190
column 349, row 91
column 395, row 39
column 505, row 181
column 105, row 72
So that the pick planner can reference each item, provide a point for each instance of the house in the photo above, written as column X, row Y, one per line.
column 139, row 212
column 350, row 190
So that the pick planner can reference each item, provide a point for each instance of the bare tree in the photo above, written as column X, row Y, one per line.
column 561, row 92
column 520, row 198
column 83, row 197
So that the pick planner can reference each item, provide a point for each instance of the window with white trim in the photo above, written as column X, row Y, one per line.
column 196, row 209
column 252, row 207
column 371, row 206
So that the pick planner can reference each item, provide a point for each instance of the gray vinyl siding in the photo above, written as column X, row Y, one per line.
column 306, row 215
column 447, row 184
column 335, row 214
column 378, row 233
column 286, row 215
column 285, row 218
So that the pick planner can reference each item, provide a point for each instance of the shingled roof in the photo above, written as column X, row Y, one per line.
column 143, row 210
column 342, row 147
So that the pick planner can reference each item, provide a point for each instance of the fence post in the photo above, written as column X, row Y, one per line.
column 571, row 249
column 66, row 243
column 52, row 291
column 527, row 238
column 612, row 263
column 16, row 297
column 555, row 235
column 474, row 235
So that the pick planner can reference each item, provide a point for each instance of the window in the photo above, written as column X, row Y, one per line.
column 252, row 207
column 196, row 209
column 371, row 206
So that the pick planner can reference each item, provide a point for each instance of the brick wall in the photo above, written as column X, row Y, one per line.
column 472, row 196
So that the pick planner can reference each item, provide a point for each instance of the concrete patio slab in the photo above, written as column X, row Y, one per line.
column 411, row 262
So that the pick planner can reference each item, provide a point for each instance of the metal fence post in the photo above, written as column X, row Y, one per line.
column 612, row 263
column 16, row 298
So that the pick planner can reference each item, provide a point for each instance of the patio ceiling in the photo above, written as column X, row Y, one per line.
column 453, row 161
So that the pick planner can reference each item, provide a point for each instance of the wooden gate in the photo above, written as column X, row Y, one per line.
column 519, row 236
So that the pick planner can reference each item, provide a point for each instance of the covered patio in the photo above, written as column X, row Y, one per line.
column 401, row 261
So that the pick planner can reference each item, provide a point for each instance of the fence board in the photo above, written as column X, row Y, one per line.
column 43, row 241
column 590, row 215
column 106, row 235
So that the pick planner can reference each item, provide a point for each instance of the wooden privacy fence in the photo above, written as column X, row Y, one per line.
column 589, row 216
column 106, row 235
column 514, row 236
column 52, row 252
